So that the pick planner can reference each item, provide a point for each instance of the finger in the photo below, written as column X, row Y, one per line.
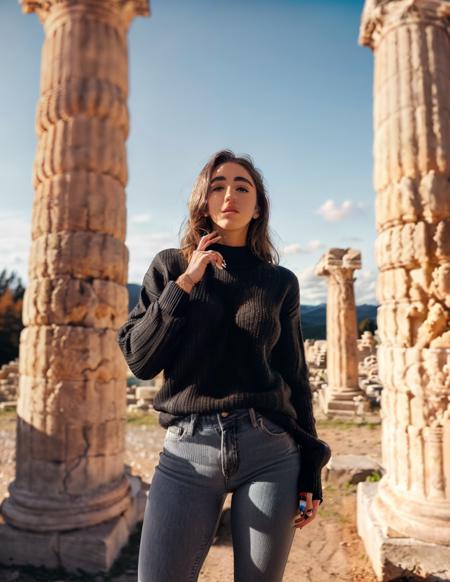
column 217, row 259
column 302, row 518
column 207, row 239
column 302, row 522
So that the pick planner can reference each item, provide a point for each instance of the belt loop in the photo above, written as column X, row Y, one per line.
column 253, row 417
column 192, row 423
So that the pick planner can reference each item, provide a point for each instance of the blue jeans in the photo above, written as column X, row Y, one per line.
column 206, row 456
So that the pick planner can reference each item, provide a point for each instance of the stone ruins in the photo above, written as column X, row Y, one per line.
column 404, row 519
column 72, row 505
column 9, row 383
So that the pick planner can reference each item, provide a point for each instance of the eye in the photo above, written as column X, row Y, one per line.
column 220, row 187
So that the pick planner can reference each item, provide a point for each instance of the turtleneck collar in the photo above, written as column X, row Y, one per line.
column 236, row 256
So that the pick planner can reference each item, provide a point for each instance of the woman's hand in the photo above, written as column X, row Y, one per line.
column 310, row 512
column 199, row 260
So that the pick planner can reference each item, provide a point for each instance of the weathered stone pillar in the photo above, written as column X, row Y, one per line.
column 410, row 40
column 338, row 265
column 72, row 391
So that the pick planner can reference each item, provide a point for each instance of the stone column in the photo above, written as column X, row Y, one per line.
column 411, row 45
column 338, row 265
column 71, row 414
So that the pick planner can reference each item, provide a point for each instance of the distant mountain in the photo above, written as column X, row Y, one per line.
column 133, row 295
column 313, row 317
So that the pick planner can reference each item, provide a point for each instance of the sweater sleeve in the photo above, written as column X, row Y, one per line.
column 151, row 333
column 288, row 357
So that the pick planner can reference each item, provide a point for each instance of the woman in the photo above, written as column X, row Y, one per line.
column 221, row 317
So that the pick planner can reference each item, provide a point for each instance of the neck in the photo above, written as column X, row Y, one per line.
column 236, row 242
column 234, row 237
column 235, row 256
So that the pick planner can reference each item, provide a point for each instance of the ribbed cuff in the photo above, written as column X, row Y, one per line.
column 310, row 481
column 173, row 299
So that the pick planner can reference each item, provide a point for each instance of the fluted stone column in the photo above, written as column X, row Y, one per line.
column 339, row 265
column 71, row 414
column 411, row 45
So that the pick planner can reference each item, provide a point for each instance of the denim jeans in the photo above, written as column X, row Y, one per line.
column 206, row 456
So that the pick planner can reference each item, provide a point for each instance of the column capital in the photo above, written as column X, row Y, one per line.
column 346, row 260
column 128, row 9
column 380, row 15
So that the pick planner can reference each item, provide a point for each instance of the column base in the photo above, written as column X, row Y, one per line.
column 426, row 518
column 341, row 404
column 31, row 512
column 391, row 554
column 89, row 550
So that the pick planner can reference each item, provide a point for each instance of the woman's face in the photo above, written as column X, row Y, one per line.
column 231, row 186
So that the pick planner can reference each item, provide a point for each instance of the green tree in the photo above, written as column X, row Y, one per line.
column 11, row 302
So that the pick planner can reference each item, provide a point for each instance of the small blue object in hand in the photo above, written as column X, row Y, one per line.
column 302, row 502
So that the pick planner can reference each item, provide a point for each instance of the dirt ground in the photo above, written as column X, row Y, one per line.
column 329, row 548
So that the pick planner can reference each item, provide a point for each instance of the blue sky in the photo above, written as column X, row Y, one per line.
column 284, row 81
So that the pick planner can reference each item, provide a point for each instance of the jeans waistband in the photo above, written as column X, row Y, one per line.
column 221, row 418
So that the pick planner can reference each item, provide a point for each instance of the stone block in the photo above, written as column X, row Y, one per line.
column 392, row 555
column 89, row 550
column 350, row 468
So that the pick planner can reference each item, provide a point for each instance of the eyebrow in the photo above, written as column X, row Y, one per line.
column 217, row 178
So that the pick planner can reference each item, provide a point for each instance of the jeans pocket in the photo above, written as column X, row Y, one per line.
column 270, row 427
column 175, row 431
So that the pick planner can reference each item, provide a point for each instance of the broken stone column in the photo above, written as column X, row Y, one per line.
column 366, row 345
column 71, row 504
column 338, row 265
column 405, row 518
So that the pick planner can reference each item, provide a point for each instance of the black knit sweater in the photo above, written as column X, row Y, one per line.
column 234, row 342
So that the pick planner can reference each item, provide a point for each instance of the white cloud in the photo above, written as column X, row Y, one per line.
column 365, row 286
column 314, row 245
column 293, row 249
column 313, row 289
column 332, row 212
column 141, row 218
column 296, row 249
column 15, row 242
column 143, row 247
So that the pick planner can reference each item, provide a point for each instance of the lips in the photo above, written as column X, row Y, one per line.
column 229, row 210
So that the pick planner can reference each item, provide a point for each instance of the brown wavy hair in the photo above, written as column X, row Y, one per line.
column 197, row 225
